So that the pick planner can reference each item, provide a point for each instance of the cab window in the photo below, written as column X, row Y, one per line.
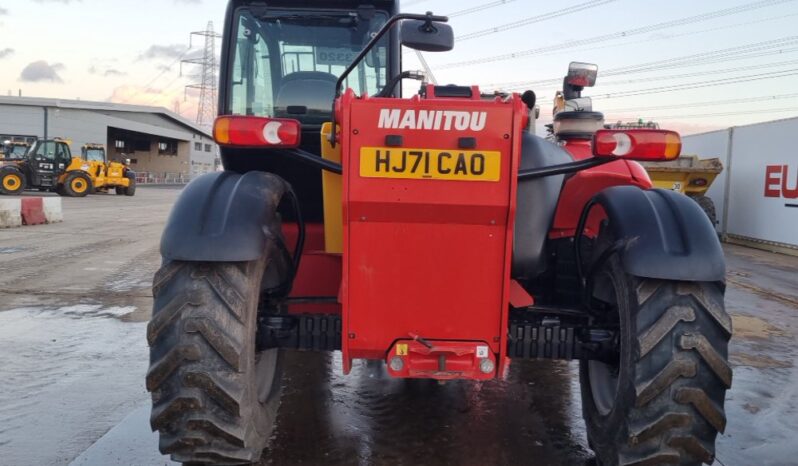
column 285, row 64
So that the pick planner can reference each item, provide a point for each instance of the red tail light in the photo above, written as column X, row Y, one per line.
column 637, row 144
column 249, row 131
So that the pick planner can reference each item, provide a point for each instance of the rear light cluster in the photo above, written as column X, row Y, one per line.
column 249, row 131
column 637, row 144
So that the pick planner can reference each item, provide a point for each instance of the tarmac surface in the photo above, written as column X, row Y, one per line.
column 75, row 298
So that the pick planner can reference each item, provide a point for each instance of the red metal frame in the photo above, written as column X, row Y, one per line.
column 427, row 257
column 583, row 185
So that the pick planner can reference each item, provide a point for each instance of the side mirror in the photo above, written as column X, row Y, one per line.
column 427, row 36
column 582, row 74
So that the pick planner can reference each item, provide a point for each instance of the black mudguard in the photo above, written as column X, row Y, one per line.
column 667, row 235
column 535, row 206
column 223, row 217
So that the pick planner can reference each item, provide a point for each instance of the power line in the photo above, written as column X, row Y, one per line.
column 719, row 114
column 709, row 103
column 753, row 50
column 714, row 72
column 475, row 9
column 697, row 85
column 535, row 19
column 620, row 34
column 163, row 71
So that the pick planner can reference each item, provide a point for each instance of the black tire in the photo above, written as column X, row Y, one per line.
column 60, row 190
column 207, row 403
column 131, row 189
column 662, row 402
column 709, row 208
column 78, row 184
column 12, row 181
column 120, row 190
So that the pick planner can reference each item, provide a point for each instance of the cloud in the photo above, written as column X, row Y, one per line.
column 6, row 52
column 156, row 52
column 42, row 71
column 3, row 11
column 189, row 2
column 168, row 98
column 107, row 72
column 56, row 1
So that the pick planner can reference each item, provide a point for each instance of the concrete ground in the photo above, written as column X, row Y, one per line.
column 74, row 299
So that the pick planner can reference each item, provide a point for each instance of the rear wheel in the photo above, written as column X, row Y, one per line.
column 131, row 188
column 77, row 184
column 661, row 401
column 708, row 207
column 12, row 181
column 214, row 398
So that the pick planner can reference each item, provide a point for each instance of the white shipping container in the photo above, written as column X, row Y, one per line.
column 757, row 194
column 763, row 199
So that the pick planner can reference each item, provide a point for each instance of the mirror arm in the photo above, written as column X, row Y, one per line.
column 429, row 18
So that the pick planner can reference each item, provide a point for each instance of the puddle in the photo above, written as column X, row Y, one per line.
column 67, row 375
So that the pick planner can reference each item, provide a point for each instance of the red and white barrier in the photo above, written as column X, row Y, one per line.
column 18, row 211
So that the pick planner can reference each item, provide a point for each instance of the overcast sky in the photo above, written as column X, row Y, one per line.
column 128, row 51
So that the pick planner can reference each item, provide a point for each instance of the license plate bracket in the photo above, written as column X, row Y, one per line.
column 430, row 164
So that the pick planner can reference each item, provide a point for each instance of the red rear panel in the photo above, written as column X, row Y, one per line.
column 426, row 256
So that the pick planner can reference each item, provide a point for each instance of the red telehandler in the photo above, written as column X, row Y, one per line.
column 433, row 232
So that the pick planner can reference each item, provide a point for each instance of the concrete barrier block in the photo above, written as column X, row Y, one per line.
column 10, row 212
column 52, row 209
column 33, row 211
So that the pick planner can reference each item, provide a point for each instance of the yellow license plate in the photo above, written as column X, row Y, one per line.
column 391, row 162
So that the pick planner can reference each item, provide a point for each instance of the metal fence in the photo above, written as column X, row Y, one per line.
column 162, row 178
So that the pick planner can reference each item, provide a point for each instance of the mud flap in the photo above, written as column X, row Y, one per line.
column 223, row 217
column 665, row 234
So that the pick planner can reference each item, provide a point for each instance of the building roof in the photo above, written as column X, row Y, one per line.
column 103, row 106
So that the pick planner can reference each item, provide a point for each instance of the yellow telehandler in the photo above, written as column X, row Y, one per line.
column 105, row 174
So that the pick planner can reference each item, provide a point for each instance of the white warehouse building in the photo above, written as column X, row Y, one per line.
column 160, row 144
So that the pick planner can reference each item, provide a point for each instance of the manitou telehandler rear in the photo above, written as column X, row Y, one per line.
column 432, row 232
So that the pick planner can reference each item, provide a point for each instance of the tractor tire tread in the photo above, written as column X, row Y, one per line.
column 198, row 336
column 680, row 329
column 679, row 379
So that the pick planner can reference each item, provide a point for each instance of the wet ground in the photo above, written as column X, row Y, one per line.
column 74, row 298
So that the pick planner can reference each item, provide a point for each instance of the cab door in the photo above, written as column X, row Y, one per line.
column 43, row 164
column 63, row 158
